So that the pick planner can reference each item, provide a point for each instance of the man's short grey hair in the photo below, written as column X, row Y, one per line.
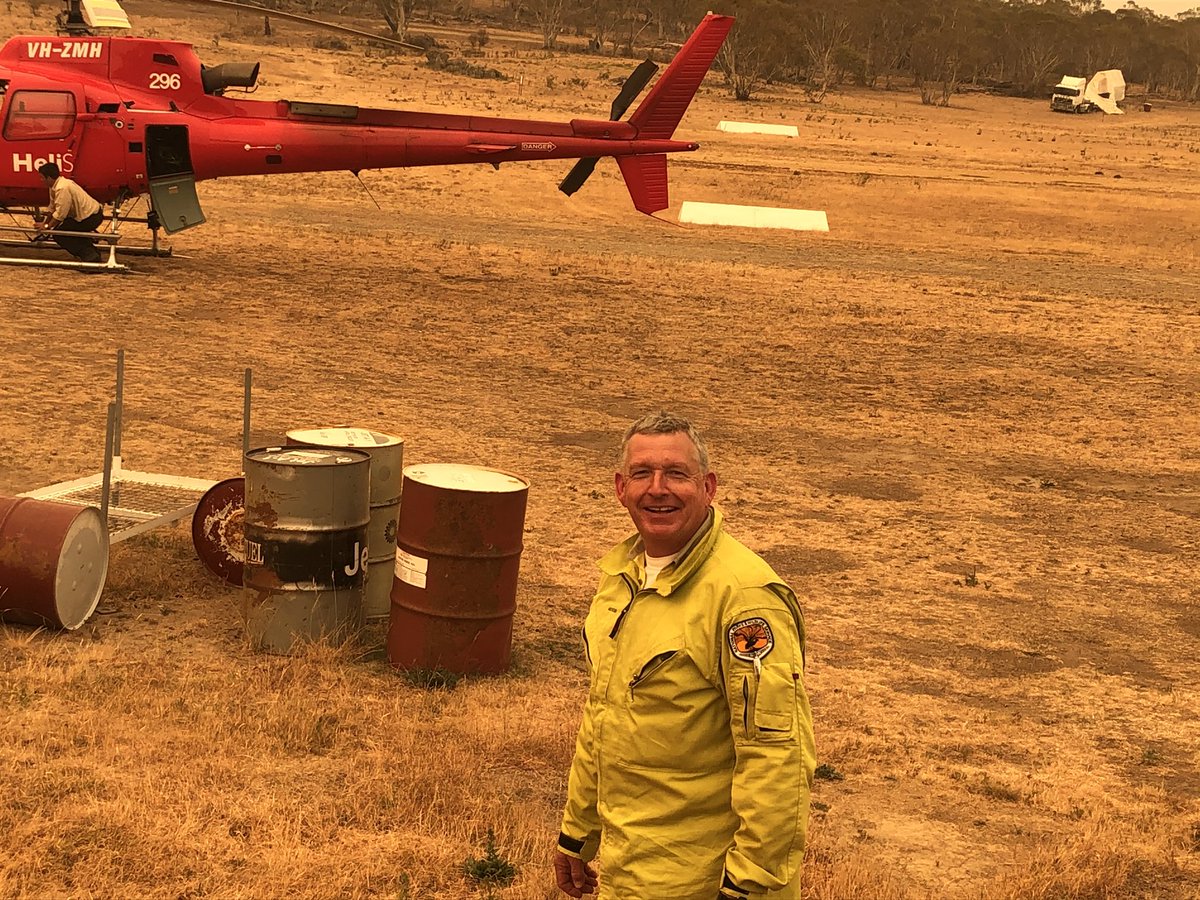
column 664, row 422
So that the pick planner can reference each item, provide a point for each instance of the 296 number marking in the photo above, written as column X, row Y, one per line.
column 164, row 81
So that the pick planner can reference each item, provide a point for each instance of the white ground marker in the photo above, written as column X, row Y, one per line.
column 752, row 216
column 758, row 128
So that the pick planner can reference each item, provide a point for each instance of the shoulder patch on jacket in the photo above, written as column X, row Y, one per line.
column 751, row 639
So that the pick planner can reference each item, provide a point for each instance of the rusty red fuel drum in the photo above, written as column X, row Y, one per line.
column 458, row 554
column 53, row 562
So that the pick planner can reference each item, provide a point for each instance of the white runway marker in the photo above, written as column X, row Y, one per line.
column 758, row 128
column 752, row 216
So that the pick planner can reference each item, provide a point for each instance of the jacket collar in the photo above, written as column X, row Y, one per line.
column 626, row 558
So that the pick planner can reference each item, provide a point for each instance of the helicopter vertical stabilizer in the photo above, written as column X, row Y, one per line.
column 659, row 114
column 646, row 179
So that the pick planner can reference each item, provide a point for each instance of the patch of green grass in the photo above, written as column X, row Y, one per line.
column 443, row 61
column 432, row 678
column 492, row 869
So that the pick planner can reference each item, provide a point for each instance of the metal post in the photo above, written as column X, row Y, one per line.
column 108, row 462
column 120, row 401
column 118, row 416
column 248, row 379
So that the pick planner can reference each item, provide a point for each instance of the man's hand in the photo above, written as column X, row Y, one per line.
column 573, row 876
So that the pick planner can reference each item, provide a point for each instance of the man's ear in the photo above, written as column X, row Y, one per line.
column 619, row 486
column 710, row 485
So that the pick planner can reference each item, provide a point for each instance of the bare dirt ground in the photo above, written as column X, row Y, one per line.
column 963, row 425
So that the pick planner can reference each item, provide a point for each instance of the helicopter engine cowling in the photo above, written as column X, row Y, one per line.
column 217, row 78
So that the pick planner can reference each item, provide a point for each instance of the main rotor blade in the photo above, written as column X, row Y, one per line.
column 280, row 14
column 578, row 175
column 632, row 87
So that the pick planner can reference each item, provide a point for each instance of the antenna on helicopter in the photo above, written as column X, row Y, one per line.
column 81, row 16
column 355, row 173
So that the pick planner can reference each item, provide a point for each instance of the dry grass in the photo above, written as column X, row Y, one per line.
column 960, row 425
column 197, row 772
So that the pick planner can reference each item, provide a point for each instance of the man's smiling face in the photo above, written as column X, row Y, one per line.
column 664, row 490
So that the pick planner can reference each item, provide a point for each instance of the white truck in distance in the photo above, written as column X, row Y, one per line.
column 1068, row 96
column 1104, row 91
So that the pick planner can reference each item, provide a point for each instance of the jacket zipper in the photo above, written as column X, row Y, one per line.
column 746, row 695
column 746, row 706
column 621, row 615
column 653, row 666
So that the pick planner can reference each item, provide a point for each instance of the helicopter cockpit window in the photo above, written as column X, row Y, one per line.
column 39, row 115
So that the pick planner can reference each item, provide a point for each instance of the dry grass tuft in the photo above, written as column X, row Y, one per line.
column 846, row 872
column 1108, row 859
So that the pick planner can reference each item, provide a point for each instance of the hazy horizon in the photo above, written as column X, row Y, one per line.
column 1162, row 7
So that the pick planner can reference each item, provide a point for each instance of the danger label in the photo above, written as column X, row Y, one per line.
column 411, row 569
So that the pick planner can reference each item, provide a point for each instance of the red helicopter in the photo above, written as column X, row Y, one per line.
column 126, row 116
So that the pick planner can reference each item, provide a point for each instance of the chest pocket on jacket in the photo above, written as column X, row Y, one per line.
column 669, row 716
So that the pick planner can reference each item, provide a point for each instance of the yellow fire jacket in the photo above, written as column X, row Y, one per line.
column 695, row 756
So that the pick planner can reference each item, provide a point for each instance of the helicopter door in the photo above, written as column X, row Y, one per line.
column 172, row 181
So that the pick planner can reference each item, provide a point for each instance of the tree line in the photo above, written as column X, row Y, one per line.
column 1019, row 47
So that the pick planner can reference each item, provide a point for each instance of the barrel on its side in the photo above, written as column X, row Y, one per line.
column 53, row 562
column 218, row 529
column 458, row 554
column 387, row 470
column 305, row 545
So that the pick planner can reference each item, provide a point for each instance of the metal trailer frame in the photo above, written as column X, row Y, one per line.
column 133, row 502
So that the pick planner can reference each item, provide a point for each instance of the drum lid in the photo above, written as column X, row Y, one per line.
column 456, row 477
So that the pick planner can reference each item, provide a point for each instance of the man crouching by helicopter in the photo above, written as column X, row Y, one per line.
column 71, row 209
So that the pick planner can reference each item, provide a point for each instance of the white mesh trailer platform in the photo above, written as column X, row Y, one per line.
column 137, row 502
column 130, row 501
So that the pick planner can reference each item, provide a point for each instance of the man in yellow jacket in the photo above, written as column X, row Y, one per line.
column 695, row 757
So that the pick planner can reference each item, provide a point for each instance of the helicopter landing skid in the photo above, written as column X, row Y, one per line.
column 161, row 252
column 38, row 242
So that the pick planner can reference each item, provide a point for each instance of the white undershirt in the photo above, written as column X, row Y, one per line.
column 655, row 564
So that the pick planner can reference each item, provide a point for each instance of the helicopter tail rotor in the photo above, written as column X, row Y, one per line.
column 633, row 86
